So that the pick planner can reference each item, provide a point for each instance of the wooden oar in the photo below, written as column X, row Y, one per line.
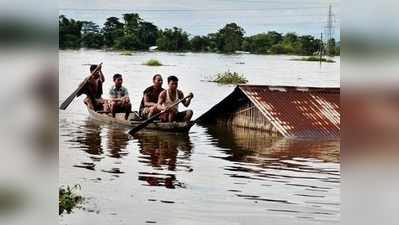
column 152, row 118
column 71, row 97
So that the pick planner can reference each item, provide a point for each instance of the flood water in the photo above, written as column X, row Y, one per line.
column 208, row 176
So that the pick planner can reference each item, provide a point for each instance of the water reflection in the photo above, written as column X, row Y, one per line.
column 95, row 139
column 247, row 145
column 164, row 152
column 117, row 141
column 294, row 176
column 88, row 137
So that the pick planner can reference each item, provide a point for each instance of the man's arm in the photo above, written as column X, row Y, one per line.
column 161, row 100
column 186, row 102
column 125, row 96
column 147, row 102
column 102, row 78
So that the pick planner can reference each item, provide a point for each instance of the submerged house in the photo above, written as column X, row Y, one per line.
column 280, row 110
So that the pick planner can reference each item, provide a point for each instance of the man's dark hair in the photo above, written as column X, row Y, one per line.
column 172, row 78
column 155, row 76
column 116, row 76
column 93, row 67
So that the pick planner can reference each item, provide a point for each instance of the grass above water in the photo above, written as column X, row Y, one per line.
column 314, row 59
column 153, row 62
column 127, row 53
column 230, row 78
column 68, row 199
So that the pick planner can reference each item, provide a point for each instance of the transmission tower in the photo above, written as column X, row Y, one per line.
column 329, row 28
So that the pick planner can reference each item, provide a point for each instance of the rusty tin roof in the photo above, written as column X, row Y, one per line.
column 296, row 111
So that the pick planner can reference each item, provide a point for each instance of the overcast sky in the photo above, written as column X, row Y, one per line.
column 207, row 16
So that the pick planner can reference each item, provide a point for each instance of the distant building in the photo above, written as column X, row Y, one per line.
column 280, row 110
column 153, row 48
column 241, row 52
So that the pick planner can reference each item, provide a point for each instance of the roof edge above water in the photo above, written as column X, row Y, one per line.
column 283, row 88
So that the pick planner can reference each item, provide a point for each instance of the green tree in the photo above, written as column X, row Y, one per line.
column 278, row 49
column 199, row 43
column 91, row 36
column 147, row 34
column 212, row 42
column 247, row 44
column 261, row 43
column 275, row 37
column 137, row 33
column 112, row 30
column 309, row 45
column 230, row 38
column 174, row 39
column 127, row 42
column 133, row 33
column 291, row 43
column 132, row 22
column 69, row 32
column 90, row 27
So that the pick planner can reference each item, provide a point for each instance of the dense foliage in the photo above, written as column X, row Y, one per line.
column 133, row 33
column 68, row 199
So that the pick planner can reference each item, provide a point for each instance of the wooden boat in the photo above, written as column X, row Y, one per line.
column 135, row 120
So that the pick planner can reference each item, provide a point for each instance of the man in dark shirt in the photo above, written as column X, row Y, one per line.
column 148, row 106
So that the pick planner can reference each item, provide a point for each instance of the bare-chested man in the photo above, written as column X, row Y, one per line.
column 94, row 90
column 171, row 96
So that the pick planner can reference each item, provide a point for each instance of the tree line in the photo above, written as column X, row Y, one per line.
column 133, row 33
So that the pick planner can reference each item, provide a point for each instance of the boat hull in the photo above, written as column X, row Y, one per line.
column 134, row 121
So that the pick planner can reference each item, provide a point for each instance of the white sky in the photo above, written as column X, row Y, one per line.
column 206, row 16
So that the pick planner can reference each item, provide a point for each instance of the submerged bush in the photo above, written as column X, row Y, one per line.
column 230, row 78
column 68, row 199
column 315, row 59
column 127, row 53
column 153, row 62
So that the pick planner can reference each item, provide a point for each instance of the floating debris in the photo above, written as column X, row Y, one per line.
column 86, row 165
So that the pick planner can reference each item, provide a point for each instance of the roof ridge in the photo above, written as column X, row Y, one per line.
column 291, row 88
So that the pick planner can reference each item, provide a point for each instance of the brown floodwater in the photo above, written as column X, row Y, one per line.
column 210, row 175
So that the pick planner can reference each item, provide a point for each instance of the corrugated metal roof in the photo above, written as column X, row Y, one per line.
column 293, row 111
column 298, row 111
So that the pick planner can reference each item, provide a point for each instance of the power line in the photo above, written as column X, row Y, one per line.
column 193, row 10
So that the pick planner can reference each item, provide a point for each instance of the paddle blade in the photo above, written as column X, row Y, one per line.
column 138, row 128
column 143, row 125
column 68, row 101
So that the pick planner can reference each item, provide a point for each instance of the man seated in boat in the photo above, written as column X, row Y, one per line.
column 148, row 106
column 171, row 96
column 93, row 90
column 119, row 101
